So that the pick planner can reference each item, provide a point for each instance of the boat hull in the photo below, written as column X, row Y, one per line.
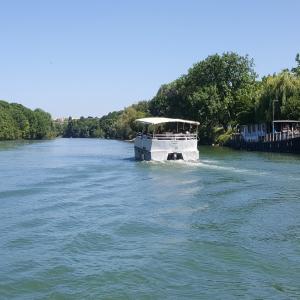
column 161, row 150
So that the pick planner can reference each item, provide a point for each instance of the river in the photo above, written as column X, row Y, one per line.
column 80, row 219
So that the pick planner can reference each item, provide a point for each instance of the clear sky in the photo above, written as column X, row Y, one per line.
column 91, row 57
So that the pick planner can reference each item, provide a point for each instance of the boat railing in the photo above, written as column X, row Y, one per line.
column 281, row 136
column 269, row 137
column 169, row 136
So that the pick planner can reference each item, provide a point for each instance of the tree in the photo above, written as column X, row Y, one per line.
column 218, row 91
column 296, row 70
column 19, row 122
column 126, row 128
column 284, row 87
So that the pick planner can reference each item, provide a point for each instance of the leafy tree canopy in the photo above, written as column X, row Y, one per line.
column 19, row 122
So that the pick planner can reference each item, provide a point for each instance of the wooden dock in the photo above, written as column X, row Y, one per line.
column 277, row 142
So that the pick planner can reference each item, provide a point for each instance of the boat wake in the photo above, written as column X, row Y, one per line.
column 204, row 164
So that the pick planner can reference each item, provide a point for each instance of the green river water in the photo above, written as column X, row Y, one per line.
column 80, row 219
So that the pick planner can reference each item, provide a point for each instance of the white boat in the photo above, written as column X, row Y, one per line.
column 166, row 139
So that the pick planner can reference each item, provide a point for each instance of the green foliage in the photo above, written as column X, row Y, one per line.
column 284, row 87
column 126, row 128
column 218, row 91
column 83, row 128
column 19, row 122
column 296, row 70
column 115, row 125
column 224, row 137
column 222, row 92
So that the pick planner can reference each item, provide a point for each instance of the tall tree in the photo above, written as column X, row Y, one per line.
column 296, row 70
column 284, row 89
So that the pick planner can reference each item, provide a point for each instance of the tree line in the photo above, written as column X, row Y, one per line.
column 115, row 125
column 221, row 92
column 19, row 122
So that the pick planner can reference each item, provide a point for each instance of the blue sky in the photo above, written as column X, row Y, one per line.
column 91, row 57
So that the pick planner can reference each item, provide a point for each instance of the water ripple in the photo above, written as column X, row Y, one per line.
column 80, row 219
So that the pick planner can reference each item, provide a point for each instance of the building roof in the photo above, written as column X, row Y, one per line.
column 286, row 121
column 160, row 120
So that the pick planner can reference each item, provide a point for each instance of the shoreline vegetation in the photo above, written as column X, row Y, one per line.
column 18, row 122
column 221, row 92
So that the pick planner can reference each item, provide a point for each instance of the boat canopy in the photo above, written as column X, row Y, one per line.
column 286, row 121
column 161, row 120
